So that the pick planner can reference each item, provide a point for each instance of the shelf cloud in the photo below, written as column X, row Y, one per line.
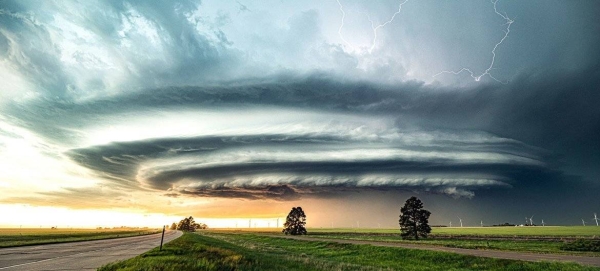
column 134, row 103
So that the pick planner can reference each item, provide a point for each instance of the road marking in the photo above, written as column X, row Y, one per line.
column 64, row 256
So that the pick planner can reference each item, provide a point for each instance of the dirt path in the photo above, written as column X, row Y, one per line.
column 523, row 256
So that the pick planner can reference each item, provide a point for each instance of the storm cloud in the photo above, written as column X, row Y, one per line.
column 200, row 100
column 424, row 137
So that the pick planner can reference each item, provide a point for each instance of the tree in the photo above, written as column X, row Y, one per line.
column 295, row 222
column 201, row 226
column 188, row 224
column 414, row 220
column 173, row 226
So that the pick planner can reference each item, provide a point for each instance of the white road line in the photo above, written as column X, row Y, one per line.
column 45, row 260
column 64, row 256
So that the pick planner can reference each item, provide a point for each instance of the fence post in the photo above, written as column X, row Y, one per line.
column 162, row 238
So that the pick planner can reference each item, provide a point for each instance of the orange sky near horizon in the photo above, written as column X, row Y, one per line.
column 216, row 213
column 27, row 216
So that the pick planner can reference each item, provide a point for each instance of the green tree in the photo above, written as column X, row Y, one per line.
column 173, row 226
column 201, row 226
column 414, row 220
column 295, row 222
column 187, row 224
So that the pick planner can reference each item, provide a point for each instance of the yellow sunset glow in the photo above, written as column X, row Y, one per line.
column 18, row 215
column 26, row 216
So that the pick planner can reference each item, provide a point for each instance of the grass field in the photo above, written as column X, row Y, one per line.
column 553, row 231
column 22, row 237
column 522, row 245
column 522, row 239
column 548, row 231
column 248, row 251
column 574, row 231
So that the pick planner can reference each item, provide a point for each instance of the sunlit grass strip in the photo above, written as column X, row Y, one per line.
column 25, row 237
column 196, row 252
column 229, row 251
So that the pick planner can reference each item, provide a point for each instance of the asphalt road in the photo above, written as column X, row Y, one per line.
column 87, row 255
column 511, row 255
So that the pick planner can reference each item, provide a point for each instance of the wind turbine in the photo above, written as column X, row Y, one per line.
column 460, row 220
column 526, row 221
column 583, row 221
column 596, row 218
column 543, row 223
column 531, row 221
column 481, row 223
column 450, row 224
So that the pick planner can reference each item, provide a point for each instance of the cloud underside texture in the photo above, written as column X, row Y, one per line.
column 145, row 65
column 366, row 136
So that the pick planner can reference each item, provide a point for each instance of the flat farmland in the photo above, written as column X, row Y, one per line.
column 575, row 240
column 266, row 250
column 548, row 231
column 11, row 237
column 563, row 240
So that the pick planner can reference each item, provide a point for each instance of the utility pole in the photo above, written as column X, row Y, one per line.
column 162, row 238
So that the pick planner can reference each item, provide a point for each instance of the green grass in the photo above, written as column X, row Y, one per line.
column 24, row 237
column 564, row 231
column 247, row 251
column 521, row 239
column 582, row 245
column 558, row 231
column 521, row 245
column 197, row 252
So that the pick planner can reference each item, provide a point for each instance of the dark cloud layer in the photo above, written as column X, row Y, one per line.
column 317, row 120
column 548, row 109
column 553, row 121
column 120, row 161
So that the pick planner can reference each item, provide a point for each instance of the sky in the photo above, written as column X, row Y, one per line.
column 142, row 112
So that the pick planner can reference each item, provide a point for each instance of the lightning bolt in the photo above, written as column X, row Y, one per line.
column 508, row 23
column 342, row 25
column 373, row 27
